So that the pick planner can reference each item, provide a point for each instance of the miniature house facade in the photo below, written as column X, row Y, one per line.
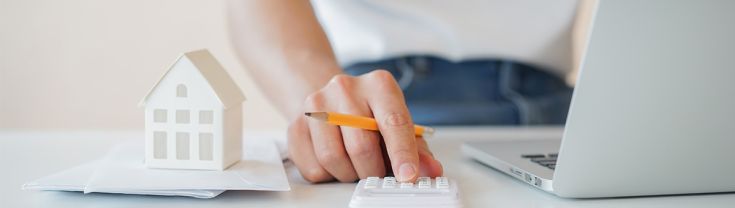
column 193, row 116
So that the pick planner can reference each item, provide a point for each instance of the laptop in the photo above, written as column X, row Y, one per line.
column 653, row 112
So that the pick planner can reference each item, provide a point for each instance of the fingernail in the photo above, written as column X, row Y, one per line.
column 406, row 172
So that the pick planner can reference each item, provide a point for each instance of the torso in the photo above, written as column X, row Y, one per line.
column 533, row 31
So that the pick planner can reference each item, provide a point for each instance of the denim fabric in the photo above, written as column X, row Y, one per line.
column 475, row 92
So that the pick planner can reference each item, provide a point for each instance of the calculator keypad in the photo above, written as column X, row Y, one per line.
column 422, row 183
column 372, row 182
column 389, row 182
column 442, row 182
column 425, row 192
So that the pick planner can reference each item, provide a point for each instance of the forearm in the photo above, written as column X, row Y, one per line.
column 284, row 48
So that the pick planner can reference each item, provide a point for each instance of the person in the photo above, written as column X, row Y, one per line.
column 477, row 62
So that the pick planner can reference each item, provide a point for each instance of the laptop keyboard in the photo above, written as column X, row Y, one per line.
column 546, row 160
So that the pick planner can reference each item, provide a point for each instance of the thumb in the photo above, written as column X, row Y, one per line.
column 428, row 165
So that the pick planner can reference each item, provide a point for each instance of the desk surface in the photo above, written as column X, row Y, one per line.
column 29, row 155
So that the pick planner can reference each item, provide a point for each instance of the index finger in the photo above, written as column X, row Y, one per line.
column 394, row 123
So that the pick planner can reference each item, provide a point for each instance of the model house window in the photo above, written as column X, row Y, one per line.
column 181, row 90
column 182, row 145
column 182, row 116
column 159, row 115
column 206, row 117
column 206, row 146
column 159, row 144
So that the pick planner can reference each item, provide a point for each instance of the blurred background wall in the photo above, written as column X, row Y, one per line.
column 85, row 64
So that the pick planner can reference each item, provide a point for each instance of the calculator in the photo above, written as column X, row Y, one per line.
column 387, row 192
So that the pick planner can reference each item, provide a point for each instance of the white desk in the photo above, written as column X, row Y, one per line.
column 29, row 155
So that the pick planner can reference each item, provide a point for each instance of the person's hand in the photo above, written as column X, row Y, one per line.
column 324, row 152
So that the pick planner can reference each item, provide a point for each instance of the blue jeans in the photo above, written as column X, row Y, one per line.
column 475, row 92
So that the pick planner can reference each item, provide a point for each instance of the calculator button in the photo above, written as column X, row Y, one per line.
column 442, row 182
column 406, row 185
column 389, row 182
column 371, row 182
column 424, row 182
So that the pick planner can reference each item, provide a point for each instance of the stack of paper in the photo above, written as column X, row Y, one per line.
column 123, row 171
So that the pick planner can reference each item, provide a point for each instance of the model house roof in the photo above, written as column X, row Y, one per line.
column 224, row 87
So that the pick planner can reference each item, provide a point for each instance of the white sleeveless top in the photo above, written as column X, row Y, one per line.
column 537, row 32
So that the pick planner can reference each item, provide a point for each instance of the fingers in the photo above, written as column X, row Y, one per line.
column 429, row 166
column 325, row 152
column 301, row 153
column 328, row 146
column 362, row 146
column 390, row 111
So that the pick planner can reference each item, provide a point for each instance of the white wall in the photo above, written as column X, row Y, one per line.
column 85, row 64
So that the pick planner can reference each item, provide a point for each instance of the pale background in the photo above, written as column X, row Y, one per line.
column 85, row 64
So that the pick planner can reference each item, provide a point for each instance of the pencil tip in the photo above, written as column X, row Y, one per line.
column 428, row 132
column 317, row 115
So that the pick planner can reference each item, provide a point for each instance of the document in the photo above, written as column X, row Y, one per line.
column 123, row 171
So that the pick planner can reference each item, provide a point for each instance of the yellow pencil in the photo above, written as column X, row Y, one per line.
column 361, row 122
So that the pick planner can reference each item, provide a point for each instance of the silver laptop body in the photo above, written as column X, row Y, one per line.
column 653, row 112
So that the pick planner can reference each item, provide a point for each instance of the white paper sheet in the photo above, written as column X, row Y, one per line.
column 122, row 171
column 75, row 179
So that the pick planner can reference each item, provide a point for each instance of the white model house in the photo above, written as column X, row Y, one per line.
column 193, row 116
